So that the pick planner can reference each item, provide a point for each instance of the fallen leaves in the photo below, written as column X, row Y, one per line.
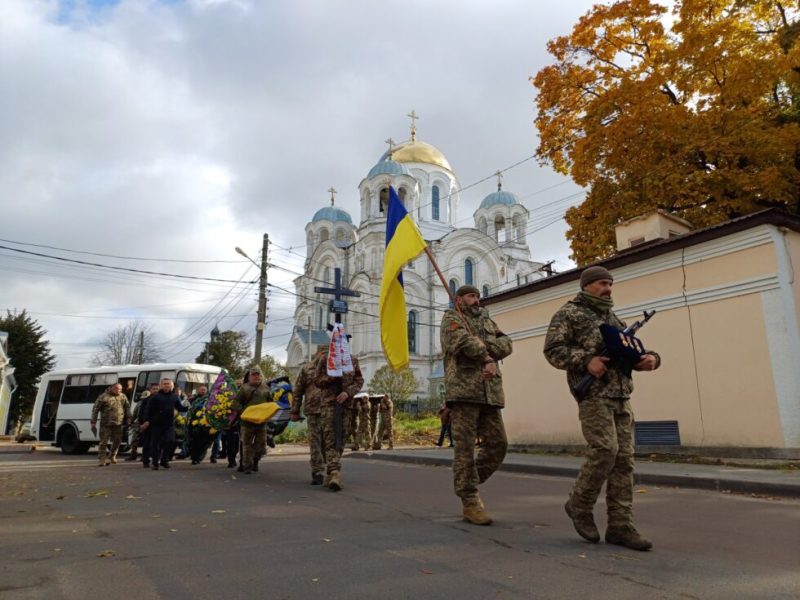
column 327, row 540
column 132, row 497
column 426, row 572
column 106, row 553
column 218, row 511
column 97, row 494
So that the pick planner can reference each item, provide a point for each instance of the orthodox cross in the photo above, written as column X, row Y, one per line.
column 337, row 305
column 390, row 141
column 333, row 194
column 414, row 117
column 499, row 180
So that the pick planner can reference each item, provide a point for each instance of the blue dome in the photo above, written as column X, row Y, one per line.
column 387, row 167
column 331, row 213
column 499, row 197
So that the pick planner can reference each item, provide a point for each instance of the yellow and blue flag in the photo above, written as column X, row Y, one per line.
column 403, row 243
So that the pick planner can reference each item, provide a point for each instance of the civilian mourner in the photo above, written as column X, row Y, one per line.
column 575, row 344
column 472, row 345
column 159, row 420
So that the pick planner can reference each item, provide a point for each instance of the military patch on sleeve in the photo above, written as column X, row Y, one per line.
column 453, row 325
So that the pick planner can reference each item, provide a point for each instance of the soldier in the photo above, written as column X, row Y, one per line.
column 363, row 434
column 134, row 435
column 472, row 345
column 374, row 409
column 387, row 410
column 114, row 409
column 304, row 389
column 335, row 390
column 253, row 436
column 573, row 344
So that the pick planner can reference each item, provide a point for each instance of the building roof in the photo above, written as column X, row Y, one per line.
column 776, row 217
column 318, row 336
column 387, row 167
column 499, row 197
column 333, row 214
column 416, row 151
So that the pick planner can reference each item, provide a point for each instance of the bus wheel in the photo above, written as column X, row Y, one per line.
column 70, row 444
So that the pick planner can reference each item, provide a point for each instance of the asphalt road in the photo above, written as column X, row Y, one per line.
column 71, row 530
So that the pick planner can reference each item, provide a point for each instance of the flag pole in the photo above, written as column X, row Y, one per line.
column 455, row 304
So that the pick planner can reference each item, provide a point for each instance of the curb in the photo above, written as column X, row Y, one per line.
column 17, row 449
column 789, row 490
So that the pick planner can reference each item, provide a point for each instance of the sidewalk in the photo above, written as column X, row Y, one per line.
column 720, row 478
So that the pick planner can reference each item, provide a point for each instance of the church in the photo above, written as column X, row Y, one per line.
column 491, row 254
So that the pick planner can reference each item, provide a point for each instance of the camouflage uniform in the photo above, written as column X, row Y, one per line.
column 387, row 409
column 114, row 411
column 304, row 389
column 374, row 409
column 474, row 402
column 253, row 436
column 330, row 387
column 573, row 339
column 363, row 434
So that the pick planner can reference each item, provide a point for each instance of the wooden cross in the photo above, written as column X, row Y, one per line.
column 333, row 193
column 337, row 291
column 499, row 180
column 414, row 117
column 391, row 142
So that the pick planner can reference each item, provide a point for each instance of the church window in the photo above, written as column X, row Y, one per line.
column 384, row 200
column 485, row 291
column 453, row 286
column 468, row 268
column 435, row 203
column 323, row 235
column 412, row 332
column 499, row 228
column 340, row 235
column 326, row 275
column 519, row 228
column 518, row 279
column 402, row 195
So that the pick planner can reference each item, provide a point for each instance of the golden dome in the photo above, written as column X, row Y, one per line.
column 420, row 152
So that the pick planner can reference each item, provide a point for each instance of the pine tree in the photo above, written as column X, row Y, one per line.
column 29, row 353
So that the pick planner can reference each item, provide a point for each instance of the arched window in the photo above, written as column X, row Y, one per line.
column 468, row 267
column 518, row 279
column 485, row 291
column 323, row 235
column 453, row 286
column 519, row 228
column 384, row 200
column 412, row 332
column 402, row 195
column 435, row 203
column 500, row 228
column 340, row 235
column 326, row 275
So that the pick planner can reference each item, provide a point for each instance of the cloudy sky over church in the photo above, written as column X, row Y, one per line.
column 174, row 131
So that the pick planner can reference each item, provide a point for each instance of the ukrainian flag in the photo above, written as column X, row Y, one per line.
column 403, row 243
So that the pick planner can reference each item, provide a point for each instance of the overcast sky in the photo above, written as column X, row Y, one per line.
column 177, row 130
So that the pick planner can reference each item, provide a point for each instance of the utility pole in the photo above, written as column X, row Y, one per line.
column 141, row 348
column 262, row 300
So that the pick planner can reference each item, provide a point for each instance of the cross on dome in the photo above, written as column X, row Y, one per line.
column 391, row 143
column 333, row 193
column 414, row 117
column 499, row 175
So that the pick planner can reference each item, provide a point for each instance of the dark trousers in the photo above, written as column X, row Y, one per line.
column 448, row 431
column 232, row 444
column 162, row 443
column 144, row 440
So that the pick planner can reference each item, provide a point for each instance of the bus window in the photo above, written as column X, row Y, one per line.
column 189, row 381
column 148, row 378
column 100, row 382
column 76, row 389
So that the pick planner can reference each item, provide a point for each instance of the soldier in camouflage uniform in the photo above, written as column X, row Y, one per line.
column 374, row 409
column 335, row 390
column 305, row 390
column 472, row 344
column 385, row 431
column 113, row 407
column 573, row 343
column 363, row 433
column 134, row 435
column 253, row 435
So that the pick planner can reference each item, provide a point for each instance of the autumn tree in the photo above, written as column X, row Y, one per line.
column 696, row 114
column 272, row 368
column 130, row 344
column 229, row 350
column 30, row 356
column 397, row 385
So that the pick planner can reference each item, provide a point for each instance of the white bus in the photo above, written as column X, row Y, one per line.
column 63, row 406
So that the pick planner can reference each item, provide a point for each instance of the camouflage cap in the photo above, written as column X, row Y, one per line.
column 255, row 370
column 467, row 289
column 592, row 274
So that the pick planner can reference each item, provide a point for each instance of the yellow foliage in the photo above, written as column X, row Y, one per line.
column 700, row 120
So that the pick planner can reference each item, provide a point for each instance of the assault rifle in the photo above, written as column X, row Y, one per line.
column 624, row 349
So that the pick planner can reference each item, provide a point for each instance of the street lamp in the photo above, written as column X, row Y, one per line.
column 262, row 295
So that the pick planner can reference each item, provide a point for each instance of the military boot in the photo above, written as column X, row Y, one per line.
column 583, row 521
column 475, row 512
column 335, row 482
column 316, row 479
column 626, row 535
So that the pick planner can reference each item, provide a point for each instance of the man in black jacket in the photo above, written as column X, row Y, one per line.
column 159, row 420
